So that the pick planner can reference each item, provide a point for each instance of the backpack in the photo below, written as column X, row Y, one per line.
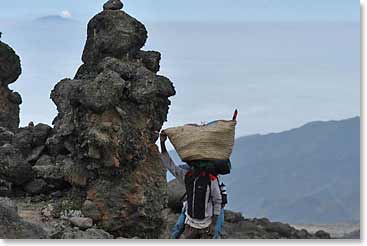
column 196, row 190
column 196, row 193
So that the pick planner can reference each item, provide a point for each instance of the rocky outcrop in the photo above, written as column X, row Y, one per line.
column 97, row 173
column 13, row 168
column 13, row 227
column 236, row 226
column 10, row 70
column 91, row 233
column 109, row 118
column 176, row 191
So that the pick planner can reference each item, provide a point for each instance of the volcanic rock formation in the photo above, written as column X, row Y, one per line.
column 109, row 118
column 97, row 172
column 9, row 101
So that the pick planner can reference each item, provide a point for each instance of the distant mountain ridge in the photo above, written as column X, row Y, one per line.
column 54, row 19
column 309, row 174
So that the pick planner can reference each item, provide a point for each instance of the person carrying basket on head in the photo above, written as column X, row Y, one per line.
column 203, row 210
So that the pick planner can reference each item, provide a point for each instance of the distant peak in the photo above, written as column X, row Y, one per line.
column 54, row 18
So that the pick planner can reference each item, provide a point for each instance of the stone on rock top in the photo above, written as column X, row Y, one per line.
column 113, row 5
column 113, row 34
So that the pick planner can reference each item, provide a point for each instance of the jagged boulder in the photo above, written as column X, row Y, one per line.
column 5, row 188
column 113, row 34
column 36, row 186
column 31, row 141
column 51, row 170
column 13, row 227
column 109, row 118
column 6, row 136
column 9, row 108
column 10, row 70
column 13, row 168
column 88, row 234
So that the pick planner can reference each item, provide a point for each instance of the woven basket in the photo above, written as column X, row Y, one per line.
column 213, row 141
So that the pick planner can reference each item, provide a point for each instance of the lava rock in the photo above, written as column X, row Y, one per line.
column 81, row 222
column 233, row 217
column 30, row 140
column 242, row 228
column 102, row 93
column 36, row 186
column 108, row 121
column 9, row 109
column 302, row 234
column 13, row 167
column 13, row 227
column 40, row 134
column 6, row 136
column 35, row 154
column 10, row 68
column 8, row 204
column 113, row 34
column 176, row 191
column 90, row 233
column 113, row 5
column 45, row 160
column 5, row 188
column 322, row 234
column 91, row 210
column 23, row 140
column 284, row 230
column 150, row 59
column 49, row 211
column 52, row 172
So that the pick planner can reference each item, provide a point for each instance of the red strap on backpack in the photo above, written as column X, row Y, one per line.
column 212, row 177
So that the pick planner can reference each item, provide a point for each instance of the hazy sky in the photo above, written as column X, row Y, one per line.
column 194, row 10
column 282, row 63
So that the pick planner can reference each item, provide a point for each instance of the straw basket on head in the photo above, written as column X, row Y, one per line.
column 213, row 141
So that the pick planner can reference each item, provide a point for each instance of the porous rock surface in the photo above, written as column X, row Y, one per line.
column 101, row 150
column 109, row 118
column 13, row 227
column 97, row 173
column 10, row 70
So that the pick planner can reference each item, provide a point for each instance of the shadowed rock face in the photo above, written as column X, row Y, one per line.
column 108, row 122
column 10, row 70
column 13, row 227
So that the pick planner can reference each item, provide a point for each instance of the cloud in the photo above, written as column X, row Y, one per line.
column 66, row 13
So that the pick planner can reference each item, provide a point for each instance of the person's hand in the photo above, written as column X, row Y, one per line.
column 163, row 137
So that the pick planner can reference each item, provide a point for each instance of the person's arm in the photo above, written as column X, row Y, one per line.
column 216, row 197
column 179, row 173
